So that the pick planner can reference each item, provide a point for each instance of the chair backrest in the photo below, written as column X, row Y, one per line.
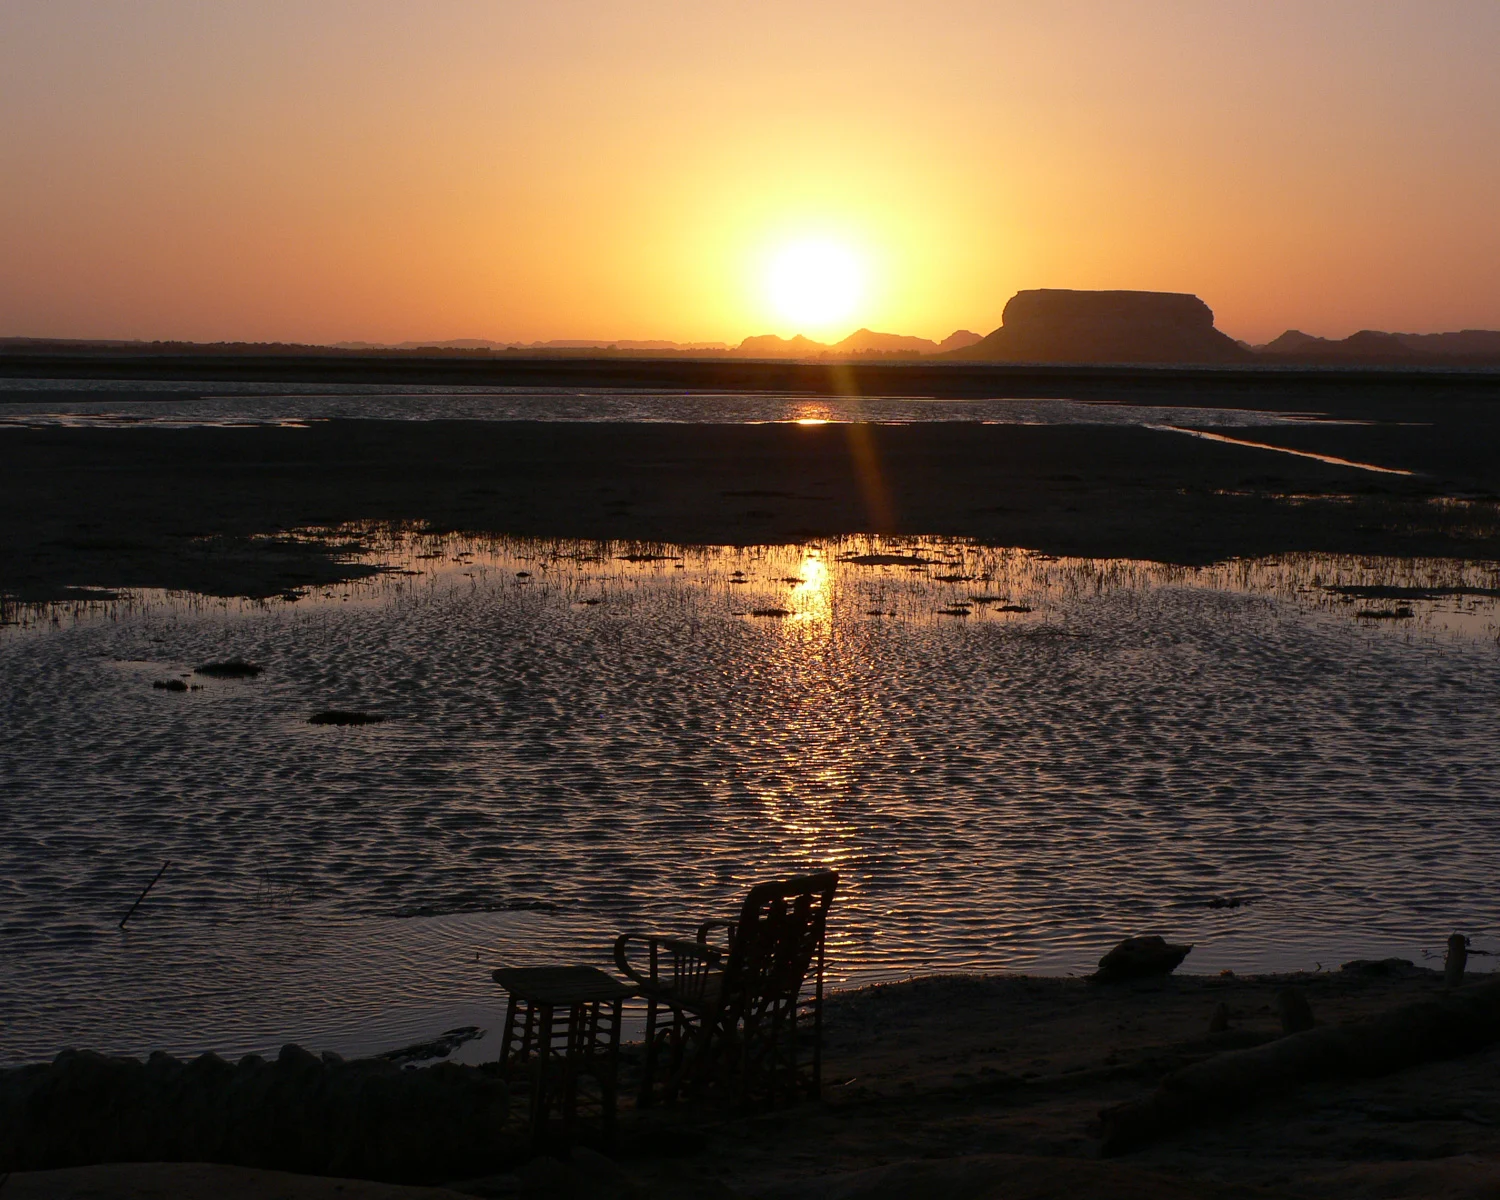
column 776, row 940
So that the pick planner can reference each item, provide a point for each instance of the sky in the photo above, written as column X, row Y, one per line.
column 384, row 171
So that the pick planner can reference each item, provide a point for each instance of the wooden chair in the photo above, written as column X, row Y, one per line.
column 744, row 1011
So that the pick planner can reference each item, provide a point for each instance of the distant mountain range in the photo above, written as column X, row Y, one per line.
column 1372, row 346
column 860, row 343
column 554, row 344
column 1042, row 325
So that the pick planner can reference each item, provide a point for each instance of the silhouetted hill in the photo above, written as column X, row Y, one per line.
column 656, row 344
column 861, row 343
column 1466, row 343
column 866, row 341
column 1056, row 325
column 959, row 339
column 1469, row 347
column 1293, row 341
column 769, row 345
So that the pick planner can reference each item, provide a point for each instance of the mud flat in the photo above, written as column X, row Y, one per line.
column 212, row 509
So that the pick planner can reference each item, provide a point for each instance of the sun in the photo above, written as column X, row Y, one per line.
column 816, row 284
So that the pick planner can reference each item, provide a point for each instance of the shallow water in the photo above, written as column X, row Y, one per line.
column 186, row 404
column 585, row 739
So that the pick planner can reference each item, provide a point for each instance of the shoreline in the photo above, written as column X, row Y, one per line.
column 1249, row 385
column 933, row 1078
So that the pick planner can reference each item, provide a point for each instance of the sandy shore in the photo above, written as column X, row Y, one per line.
column 992, row 1087
column 939, row 1071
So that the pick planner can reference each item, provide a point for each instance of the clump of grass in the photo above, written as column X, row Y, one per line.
column 233, row 668
column 335, row 716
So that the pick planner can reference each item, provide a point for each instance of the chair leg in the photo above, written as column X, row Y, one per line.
column 817, row 1034
column 648, row 1068
column 541, row 1100
column 608, row 1078
column 682, row 1032
column 506, row 1041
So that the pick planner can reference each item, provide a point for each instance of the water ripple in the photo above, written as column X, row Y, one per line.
column 1001, row 790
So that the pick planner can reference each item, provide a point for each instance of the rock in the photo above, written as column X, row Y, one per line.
column 170, row 685
column 440, row 1047
column 1456, row 960
column 1139, row 958
column 1294, row 1010
column 1219, row 1022
column 234, row 668
column 1379, row 967
column 1057, row 325
column 335, row 716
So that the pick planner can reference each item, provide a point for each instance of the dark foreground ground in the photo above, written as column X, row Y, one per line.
column 990, row 1088
column 191, row 509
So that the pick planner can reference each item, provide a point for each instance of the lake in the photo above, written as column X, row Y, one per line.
column 1014, row 760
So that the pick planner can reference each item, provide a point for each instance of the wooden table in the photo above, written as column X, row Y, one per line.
column 562, row 1026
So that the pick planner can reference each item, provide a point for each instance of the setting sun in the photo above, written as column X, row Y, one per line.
column 815, row 284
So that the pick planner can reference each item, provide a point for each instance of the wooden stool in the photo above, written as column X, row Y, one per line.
column 562, row 1024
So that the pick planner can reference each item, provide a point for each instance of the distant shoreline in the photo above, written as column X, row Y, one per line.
column 1253, row 385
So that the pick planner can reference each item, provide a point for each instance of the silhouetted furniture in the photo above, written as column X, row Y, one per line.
column 742, row 1019
column 562, row 1027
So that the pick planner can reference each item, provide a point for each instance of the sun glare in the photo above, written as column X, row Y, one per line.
column 815, row 284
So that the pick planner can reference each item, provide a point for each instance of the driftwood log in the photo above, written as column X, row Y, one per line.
column 1459, row 1022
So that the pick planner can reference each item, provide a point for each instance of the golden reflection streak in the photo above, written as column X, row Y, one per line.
column 818, row 723
column 811, row 595
column 878, row 507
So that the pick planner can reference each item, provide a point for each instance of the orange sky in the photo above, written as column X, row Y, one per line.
column 384, row 171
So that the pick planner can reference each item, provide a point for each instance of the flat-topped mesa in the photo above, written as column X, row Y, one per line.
column 1057, row 325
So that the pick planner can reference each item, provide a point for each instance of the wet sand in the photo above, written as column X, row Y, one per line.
column 199, row 509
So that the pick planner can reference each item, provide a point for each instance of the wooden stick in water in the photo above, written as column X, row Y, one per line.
column 142, row 896
column 1457, row 958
